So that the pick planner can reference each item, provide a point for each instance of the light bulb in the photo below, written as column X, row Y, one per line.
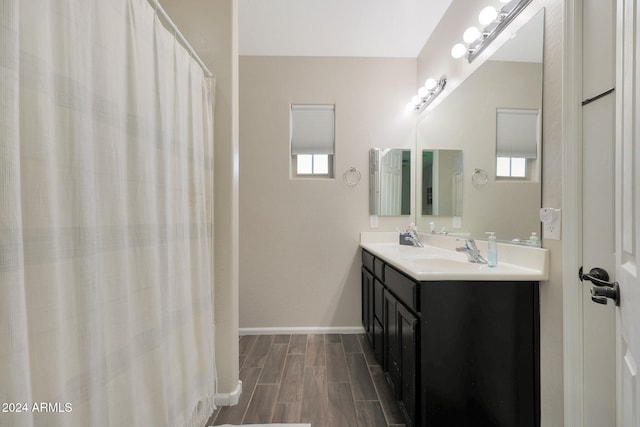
column 416, row 100
column 471, row 34
column 410, row 106
column 430, row 83
column 505, row 1
column 458, row 51
column 487, row 15
column 423, row 91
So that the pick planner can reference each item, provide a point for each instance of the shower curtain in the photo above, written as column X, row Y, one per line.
column 106, row 306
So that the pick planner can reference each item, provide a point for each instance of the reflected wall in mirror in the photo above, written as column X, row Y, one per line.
column 510, row 80
column 442, row 182
column 389, row 182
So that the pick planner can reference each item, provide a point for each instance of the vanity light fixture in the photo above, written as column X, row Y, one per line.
column 427, row 93
column 471, row 34
column 494, row 22
column 487, row 15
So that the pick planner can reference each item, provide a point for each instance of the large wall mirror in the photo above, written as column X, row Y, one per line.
column 493, row 119
column 389, row 181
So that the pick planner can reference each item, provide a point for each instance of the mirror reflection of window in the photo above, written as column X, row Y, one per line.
column 517, row 137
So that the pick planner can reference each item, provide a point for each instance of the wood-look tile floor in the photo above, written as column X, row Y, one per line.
column 325, row 380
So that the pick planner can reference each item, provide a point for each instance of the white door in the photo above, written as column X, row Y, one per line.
column 598, row 224
column 603, row 341
column 628, row 213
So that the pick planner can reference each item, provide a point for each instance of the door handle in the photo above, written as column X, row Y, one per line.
column 602, row 288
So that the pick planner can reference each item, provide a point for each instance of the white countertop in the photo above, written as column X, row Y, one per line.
column 438, row 260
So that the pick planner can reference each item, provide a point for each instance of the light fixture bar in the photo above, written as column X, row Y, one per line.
column 431, row 95
column 492, row 30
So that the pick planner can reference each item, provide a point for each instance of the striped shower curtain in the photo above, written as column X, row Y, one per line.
column 106, row 185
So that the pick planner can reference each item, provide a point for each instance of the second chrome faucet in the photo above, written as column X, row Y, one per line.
column 471, row 249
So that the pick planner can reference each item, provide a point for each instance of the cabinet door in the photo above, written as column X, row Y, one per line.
column 367, row 304
column 408, row 339
column 378, row 323
column 391, row 352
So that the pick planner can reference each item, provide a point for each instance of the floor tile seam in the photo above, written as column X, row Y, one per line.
column 351, row 388
column 244, row 414
column 379, row 394
column 252, row 345
column 273, row 406
column 265, row 355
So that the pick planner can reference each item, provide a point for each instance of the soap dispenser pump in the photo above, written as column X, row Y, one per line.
column 492, row 245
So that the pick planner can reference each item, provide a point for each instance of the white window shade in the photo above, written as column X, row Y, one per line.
column 312, row 129
column 517, row 133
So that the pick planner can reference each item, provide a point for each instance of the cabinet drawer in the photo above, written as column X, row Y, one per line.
column 378, row 269
column 404, row 288
column 367, row 260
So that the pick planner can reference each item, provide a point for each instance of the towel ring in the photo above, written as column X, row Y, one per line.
column 351, row 176
column 479, row 178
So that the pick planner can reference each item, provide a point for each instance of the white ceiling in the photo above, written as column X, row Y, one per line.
column 364, row 28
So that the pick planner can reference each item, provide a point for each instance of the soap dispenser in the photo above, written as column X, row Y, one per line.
column 492, row 245
column 533, row 239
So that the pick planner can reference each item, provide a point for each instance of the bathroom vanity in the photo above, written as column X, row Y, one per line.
column 459, row 342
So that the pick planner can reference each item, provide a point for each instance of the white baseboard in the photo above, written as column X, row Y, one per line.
column 229, row 399
column 284, row 330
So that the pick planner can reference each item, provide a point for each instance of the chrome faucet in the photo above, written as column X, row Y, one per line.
column 412, row 236
column 473, row 253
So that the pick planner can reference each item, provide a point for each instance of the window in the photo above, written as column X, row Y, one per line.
column 312, row 141
column 511, row 167
column 312, row 164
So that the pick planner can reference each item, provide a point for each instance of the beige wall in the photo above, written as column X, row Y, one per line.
column 210, row 27
column 436, row 59
column 299, row 256
column 466, row 120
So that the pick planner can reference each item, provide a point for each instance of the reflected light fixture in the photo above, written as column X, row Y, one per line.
column 494, row 22
column 427, row 93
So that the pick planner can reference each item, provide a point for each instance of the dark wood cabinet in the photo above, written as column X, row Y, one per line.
column 455, row 352
column 480, row 359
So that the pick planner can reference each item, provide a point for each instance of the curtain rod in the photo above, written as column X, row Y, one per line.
column 163, row 14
